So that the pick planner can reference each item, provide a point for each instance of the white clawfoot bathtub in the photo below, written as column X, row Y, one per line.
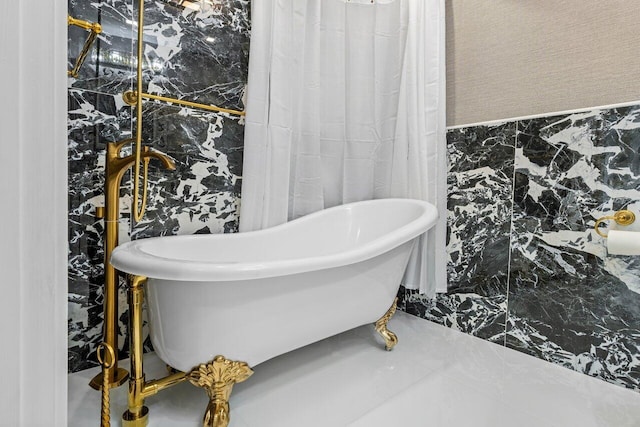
column 255, row 295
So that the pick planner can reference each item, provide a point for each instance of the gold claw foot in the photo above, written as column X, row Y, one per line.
column 381, row 326
column 218, row 378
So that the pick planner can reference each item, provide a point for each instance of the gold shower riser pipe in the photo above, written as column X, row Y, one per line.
column 130, row 97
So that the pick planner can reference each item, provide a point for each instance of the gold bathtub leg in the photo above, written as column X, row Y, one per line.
column 381, row 326
column 218, row 378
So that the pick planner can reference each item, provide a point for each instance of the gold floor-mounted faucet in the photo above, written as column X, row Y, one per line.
column 116, row 166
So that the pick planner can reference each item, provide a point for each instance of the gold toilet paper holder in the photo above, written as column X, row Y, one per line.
column 623, row 217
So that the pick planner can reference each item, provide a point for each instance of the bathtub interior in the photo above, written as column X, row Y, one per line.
column 329, row 232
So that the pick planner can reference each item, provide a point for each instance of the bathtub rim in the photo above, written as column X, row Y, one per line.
column 130, row 258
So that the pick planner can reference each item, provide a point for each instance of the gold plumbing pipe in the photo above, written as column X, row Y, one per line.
column 95, row 29
column 130, row 98
column 137, row 415
column 89, row 26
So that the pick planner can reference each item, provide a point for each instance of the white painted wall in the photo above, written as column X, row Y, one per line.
column 33, row 213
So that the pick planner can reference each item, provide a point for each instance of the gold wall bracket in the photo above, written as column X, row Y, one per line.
column 130, row 97
column 94, row 29
column 390, row 338
column 218, row 378
column 623, row 217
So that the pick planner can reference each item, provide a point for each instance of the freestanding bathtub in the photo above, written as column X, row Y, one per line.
column 256, row 295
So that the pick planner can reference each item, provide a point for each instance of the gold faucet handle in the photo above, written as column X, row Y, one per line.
column 623, row 217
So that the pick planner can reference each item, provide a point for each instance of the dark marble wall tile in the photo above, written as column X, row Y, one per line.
column 566, row 300
column 201, row 195
column 109, row 67
column 481, row 316
column 570, row 302
column 94, row 120
column 199, row 52
column 479, row 181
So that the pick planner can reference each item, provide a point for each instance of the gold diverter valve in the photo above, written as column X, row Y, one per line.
column 623, row 217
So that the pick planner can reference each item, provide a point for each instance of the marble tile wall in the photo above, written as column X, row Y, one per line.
column 197, row 53
column 526, row 269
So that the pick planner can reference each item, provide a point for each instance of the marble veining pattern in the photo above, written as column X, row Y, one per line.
column 471, row 313
column 558, row 294
column 479, row 180
column 197, row 53
column 200, row 55
column 109, row 67
column 201, row 195
column 571, row 170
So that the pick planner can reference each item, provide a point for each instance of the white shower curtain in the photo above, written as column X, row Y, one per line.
column 346, row 102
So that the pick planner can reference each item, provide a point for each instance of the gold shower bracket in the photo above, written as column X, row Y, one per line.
column 130, row 97
column 94, row 29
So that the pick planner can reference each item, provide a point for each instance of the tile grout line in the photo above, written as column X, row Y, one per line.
column 513, row 191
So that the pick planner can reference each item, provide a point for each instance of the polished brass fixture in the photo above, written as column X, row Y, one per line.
column 116, row 166
column 623, row 217
column 94, row 29
column 137, row 414
column 106, row 357
column 218, row 378
column 130, row 98
column 390, row 338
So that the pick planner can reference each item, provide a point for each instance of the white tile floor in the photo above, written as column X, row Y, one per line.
column 435, row 377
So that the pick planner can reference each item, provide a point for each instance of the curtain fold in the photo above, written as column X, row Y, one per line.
column 345, row 102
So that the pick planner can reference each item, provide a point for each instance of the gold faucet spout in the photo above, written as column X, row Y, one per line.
column 118, row 165
column 166, row 161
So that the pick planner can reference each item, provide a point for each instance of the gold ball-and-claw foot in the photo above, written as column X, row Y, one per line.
column 217, row 378
column 389, row 337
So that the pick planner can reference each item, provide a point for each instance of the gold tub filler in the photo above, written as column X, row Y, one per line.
column 116, row 166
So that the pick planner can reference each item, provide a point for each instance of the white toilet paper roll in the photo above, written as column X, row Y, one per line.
column 623, row 242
